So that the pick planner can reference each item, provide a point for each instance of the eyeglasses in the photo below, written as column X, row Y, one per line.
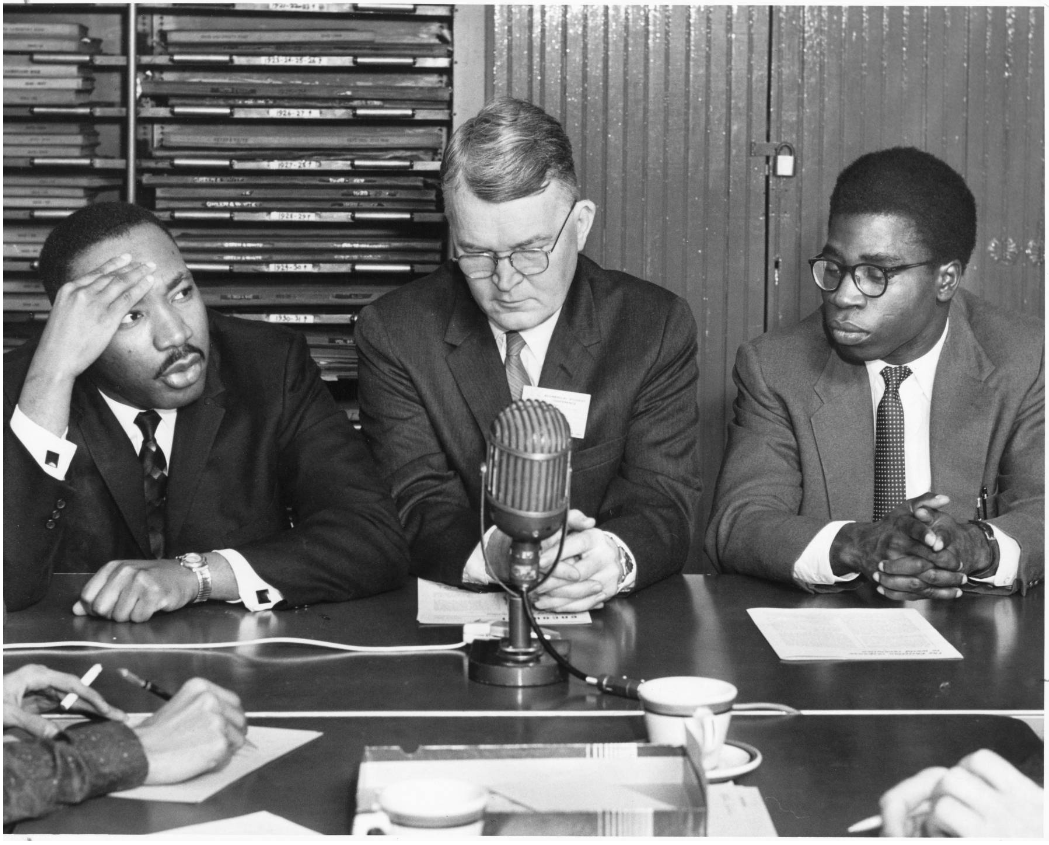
column 870, row 279
column 527, row 262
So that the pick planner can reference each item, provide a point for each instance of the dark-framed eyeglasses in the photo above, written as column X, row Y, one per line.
column 527, row 262
column 870, row 279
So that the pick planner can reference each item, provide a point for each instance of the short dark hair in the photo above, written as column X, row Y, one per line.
column 83, row 229
column 508, row 150
column 911, row 183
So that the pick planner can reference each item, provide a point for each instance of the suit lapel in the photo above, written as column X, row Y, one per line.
column 844, row 430
column 957, row 436
column 569, row 361
column 474, row 361
column 114, row 457
column 196, row 427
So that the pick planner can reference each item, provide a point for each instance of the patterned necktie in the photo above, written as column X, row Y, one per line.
column 154, row 479
column 890, row 467
column 516, row 376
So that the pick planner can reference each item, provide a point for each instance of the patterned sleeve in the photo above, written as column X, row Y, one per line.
column 42, row 775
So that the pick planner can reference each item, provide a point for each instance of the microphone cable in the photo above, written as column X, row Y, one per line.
column 619, row 685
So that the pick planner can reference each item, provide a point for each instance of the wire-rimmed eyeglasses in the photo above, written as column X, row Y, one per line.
column 527, row 262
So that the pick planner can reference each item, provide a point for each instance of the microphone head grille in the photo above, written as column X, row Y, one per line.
column 529, row 463
column 532, row 426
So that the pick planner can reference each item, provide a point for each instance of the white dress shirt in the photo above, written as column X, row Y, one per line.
column 54, row 454
column 533, row 355
column 813, row 566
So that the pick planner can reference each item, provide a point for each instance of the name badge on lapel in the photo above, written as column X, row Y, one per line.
column 575, row 406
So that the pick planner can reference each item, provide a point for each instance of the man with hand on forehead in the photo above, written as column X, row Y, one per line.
column 898, row 433
column 177, row 454
column 518, row 314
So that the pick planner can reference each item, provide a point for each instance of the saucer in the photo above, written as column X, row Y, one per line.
column 737, row 758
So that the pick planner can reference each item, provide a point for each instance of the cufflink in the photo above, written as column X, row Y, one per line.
column 51, row 459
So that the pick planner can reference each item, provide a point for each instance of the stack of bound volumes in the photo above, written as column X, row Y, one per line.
column 294, row 152
column 28, row 81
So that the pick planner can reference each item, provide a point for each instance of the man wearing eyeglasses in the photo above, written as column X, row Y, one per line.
column 898, row 433
column 519, row 313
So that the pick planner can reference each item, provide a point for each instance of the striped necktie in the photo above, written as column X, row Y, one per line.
column 890, row 466
column 154, row 480
column 516, row 376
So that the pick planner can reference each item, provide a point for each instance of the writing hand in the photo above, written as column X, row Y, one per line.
column 983, row 795
column 197, row 731
column 133, row 590
column 35, row 689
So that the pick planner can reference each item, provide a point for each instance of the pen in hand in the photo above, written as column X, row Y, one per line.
column 159, row 692
column 87, row 680
column 875, row 822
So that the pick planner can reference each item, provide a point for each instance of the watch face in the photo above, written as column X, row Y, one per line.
column 192, row 560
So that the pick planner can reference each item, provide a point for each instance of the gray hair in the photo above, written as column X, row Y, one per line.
column 508, row 150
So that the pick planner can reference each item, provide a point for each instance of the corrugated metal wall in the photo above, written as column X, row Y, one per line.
column 661, row 104
column 963, row 83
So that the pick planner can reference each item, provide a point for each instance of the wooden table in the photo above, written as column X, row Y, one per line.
column 686, row 625
column 819, row 774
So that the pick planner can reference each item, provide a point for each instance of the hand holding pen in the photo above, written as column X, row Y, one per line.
column 983, row 795
column 35, row 689
column 221, row 703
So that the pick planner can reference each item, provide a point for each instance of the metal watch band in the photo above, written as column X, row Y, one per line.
column 198, row 565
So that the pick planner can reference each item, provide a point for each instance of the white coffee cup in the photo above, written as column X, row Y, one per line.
column 671, row 702
column 427, row 809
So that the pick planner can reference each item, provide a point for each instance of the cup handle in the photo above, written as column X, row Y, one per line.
column 365, row 824
column 703, row 727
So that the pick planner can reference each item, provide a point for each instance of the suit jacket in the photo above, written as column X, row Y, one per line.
column 432, row 382
column 264, row 439
column 801, row 445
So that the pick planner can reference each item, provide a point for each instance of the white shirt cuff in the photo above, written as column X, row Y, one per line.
column 53, row 454
column 474, row 571
column 255, row 593
column 1008, row 561
column 813, row 566
column 627, row 583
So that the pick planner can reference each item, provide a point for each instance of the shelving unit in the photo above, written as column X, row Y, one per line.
column 292, row 148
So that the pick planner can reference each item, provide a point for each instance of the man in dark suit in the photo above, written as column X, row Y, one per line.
column 248, row 482
column 520, row 313
column 818, row 487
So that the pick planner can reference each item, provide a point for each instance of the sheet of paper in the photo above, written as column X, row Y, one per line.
column 856, row 633
column 261, row 823
column 737, row 811
column 440, row 604
column 270, row 743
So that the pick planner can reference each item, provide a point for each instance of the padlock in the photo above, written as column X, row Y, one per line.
column 783, row 161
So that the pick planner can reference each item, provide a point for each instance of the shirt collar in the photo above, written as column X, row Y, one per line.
column 922, row 369
column 538, row 337
column 126, row 414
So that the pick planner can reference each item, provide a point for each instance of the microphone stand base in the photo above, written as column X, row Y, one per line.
column 489, row 664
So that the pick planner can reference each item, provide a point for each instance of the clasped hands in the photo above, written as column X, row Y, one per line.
column 586, row 576
column 916, row 552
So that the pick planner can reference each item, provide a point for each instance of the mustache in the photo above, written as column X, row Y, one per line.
column 176, row 355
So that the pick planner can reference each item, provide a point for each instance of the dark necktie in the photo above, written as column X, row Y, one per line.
column 516, row 376
column 890, row 467
column 154, row 479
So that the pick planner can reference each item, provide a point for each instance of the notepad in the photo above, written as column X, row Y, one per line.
column 261, row 823
column 270, row 743
column 813, row 634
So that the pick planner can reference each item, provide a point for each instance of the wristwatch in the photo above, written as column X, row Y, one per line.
column 623, row 558
column 198, row 564
column 992, row 542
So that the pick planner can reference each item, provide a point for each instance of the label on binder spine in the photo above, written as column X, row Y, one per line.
column 291, row 216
